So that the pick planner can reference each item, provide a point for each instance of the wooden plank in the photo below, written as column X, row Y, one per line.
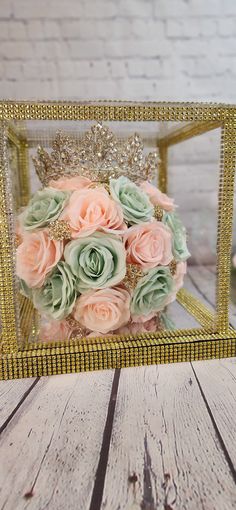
column 164, row 452
column 51, row 450
column 12, row 394
column 217, row 380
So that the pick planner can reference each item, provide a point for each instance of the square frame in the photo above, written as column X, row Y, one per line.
column 214, row 340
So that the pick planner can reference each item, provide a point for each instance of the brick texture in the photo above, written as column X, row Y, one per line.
column 135, row 49
column 128, row 49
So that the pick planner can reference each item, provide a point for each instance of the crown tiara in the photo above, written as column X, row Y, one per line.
column 98, row 155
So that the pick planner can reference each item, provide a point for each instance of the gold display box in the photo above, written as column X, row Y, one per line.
column 168, row 127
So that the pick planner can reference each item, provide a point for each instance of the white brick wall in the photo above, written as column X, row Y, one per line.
column 131, row 49
column 120, row 49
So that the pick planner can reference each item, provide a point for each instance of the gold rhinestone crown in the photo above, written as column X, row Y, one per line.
column 98, row 155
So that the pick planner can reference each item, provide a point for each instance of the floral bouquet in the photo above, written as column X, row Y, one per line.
column 101, row 251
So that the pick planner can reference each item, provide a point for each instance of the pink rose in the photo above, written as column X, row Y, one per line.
column 149, row 244
column 70, row 183
column 157, row 197
column 134, row 328
column 54, row 331
column 93, row 209
column 36, row 256
column 103, row 310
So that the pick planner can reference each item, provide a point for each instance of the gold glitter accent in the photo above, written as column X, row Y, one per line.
column 75, row 326
column 133, row 274
column 101, row 185
column 214, row 339
column 173, row 266
column 18, row 240
column 99, row 155
column 59, row 230
column 158, row 213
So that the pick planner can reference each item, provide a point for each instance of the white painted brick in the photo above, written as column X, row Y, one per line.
column 76, row 29
column 35, row 29
column 51, row 50
column 65, row 69
column 226, row 65
column 134, row 49
column 102, row 9
column 17, row 30
column 182, row 8
column 138, row 48
column 51, row 29
column 229, row 7
column 13, row 70
column 86, row 49
column 228, row 47
column 202, row 67
column 99, row 69
column 152, row 27
column 8, row 89
column 118, row 69
column 227, row 27
column 16, row 50
column 208, row 27
column 174, row 28
column 119, row 28
column 6, row 9
column 90, row 69
column 191, row 47
column 2, row 70
column 191, row 27
column 53, row 9
column 4, row 30
column 41, row 70
column 135, row 8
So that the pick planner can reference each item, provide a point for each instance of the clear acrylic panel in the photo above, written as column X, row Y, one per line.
column 147, row 300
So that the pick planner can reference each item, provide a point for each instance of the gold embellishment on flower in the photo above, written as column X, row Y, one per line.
column 101, row 184
column 59, row 230
column 18, row 240
column 133, row 274
column 98, row 155
column 75, row 326
column 158, row 213
column 173, row 267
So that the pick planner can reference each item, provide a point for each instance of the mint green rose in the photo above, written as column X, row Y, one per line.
column 179, row 244
column 45, row 206
column 97, row 261
column 135, row 203
column 24, row 289
column 57, row 297
column 153, row 292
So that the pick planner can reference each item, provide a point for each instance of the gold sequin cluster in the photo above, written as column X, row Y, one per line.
column 173, row 267
column 78, row 331
column 59, row 230
column 158, row 213
column 133, row 274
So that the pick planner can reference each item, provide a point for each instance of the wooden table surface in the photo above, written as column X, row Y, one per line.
column 158, row 437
